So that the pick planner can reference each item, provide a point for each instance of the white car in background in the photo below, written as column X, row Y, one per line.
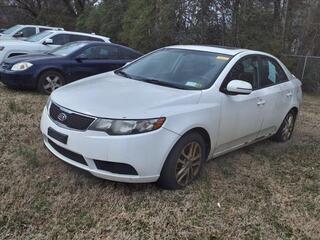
column 162, row 116
column 24, row 31
column 44, row 42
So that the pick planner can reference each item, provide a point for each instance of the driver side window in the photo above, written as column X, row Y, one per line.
column 246, row 69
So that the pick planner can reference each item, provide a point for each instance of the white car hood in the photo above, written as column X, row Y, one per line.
column 110, row 96
column 16, row 43
column 5, row 37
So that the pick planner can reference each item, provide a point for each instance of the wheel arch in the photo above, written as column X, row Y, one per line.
column 50, row 68
column 205, row 135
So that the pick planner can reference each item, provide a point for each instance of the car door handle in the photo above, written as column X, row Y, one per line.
column 289, row 94
column 261, row 102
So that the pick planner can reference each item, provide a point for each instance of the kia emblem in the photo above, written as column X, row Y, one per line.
column 62, row 117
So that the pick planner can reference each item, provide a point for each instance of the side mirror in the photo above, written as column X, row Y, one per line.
column 18, row 35
column 239, row 87
column 81, row 57
column 48, row 41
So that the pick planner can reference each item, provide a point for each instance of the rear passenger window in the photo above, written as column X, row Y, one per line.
column 61, row 39
column 246, row 70
column 101, row 52
column 272, row 73
column 75, row 38
column 44, row 29
column 94, row 39
column 127, row 54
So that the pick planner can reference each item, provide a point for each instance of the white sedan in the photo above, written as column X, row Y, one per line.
column 162, row 116
column 44, row 42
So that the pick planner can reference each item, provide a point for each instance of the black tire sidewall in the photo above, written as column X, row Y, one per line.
column 167, row 178
column 43, row 78
column 278, row 136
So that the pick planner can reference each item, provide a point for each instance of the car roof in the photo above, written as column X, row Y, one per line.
column 80, row 33
column 211, row 48
column 29, row 25
column 106, row 43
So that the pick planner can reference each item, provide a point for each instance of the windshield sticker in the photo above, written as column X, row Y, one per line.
column 223, row 58
column 193, row 84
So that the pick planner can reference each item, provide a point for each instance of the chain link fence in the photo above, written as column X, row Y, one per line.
column 307, row 69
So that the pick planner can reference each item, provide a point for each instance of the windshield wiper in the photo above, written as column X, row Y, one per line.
column 122, row 73
column 162, row 83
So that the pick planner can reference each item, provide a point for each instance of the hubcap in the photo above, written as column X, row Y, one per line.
column 188, row 164
column 51, row 83
column 288, row 127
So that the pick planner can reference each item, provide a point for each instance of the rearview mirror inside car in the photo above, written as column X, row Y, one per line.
column 127, row 64
column 239, row 87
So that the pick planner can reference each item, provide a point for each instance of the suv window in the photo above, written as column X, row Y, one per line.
column 60, row 39
column 246, row 69
column 272, row 72
column 127, row 54
column 75, row 38
column 101, row 52
column 44, row 29
column 26, row 32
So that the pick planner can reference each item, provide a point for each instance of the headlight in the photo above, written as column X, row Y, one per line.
column 21, row 66
column 1, row 48
column 127, row 127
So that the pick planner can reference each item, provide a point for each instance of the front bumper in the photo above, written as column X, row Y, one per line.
column 23, row 79
column 146, row 152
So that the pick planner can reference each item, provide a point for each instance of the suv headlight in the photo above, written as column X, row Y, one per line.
column 21, row 66
column 1, row 48
column 127, row 127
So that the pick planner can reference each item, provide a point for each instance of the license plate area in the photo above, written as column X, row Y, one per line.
column 57, row 136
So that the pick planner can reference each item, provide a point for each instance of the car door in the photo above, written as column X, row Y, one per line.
column 240, row 116
column 272, row 94
column 94, row 60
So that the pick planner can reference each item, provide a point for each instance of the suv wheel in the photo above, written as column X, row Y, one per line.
column 184, row 162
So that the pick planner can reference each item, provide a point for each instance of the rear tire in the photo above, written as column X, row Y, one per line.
column 50, row 81
column 184, row 163
column 285, row 131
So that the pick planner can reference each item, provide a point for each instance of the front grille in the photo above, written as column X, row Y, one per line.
column 119, row 168
column 69, row 119
column 68, row 154
column 6, row 66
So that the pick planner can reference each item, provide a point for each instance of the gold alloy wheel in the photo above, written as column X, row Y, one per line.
column 189, row 163
column 288, row 127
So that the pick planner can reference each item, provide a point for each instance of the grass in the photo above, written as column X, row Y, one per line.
column 264, row 191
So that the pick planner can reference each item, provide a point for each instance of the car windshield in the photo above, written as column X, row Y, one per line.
column 12, row 29
column 178, row 68
column 38, row 37
column 67, row 49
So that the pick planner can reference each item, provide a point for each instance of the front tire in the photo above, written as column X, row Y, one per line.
column 184, row 163
column 285, row 131
column 50, row 81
